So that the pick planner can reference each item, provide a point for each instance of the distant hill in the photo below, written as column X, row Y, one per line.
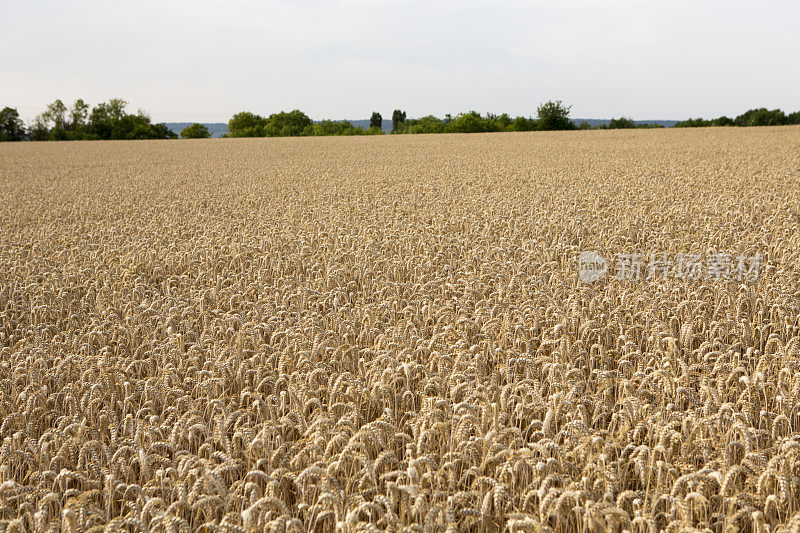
column 386, row 126
column 218, row 129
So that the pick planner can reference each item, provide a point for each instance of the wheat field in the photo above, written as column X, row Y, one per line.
column 390, row 333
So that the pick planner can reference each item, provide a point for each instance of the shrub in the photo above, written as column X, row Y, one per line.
column 195, row 131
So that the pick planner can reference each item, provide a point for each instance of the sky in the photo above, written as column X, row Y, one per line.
column 343, row 59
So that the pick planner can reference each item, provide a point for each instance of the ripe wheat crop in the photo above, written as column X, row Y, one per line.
column 345, row 334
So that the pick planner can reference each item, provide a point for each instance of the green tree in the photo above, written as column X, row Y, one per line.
column 11, row 127
column 116, row 108
column 471, row 122
column 195, row 131
column 40, row 129
column 376, row 121
column 56, row 114
column 105, row 118
column 761, row 117
column 161, row 131
column 503, row 122
column 621, row 123
column 692, row 123
column 554, row 116
column 522, row 124
column 398, row 118
column 132, row 127
column 108, row 120
column 793, row 118
column 428, row 124
column 334, row 127
column 291, row 124
column 246, row 124
column 77, row 115
column 722, row 121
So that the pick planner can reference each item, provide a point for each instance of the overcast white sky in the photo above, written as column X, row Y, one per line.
column 204, row 60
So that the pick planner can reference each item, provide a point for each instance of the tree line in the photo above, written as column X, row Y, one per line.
column 292, row 124
column 105, row 121
column 551, row 116
column 109, row 120
column 753, row 117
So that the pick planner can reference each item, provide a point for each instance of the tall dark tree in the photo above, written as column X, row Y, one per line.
column 376, row 121
column 11, row 127
column 398, row 117
column 116, row 108
column 554, row 116
column 57, row 112
column 78, row 114
column 101, row 122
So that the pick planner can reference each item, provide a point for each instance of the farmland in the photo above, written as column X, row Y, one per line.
column 392, row 332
